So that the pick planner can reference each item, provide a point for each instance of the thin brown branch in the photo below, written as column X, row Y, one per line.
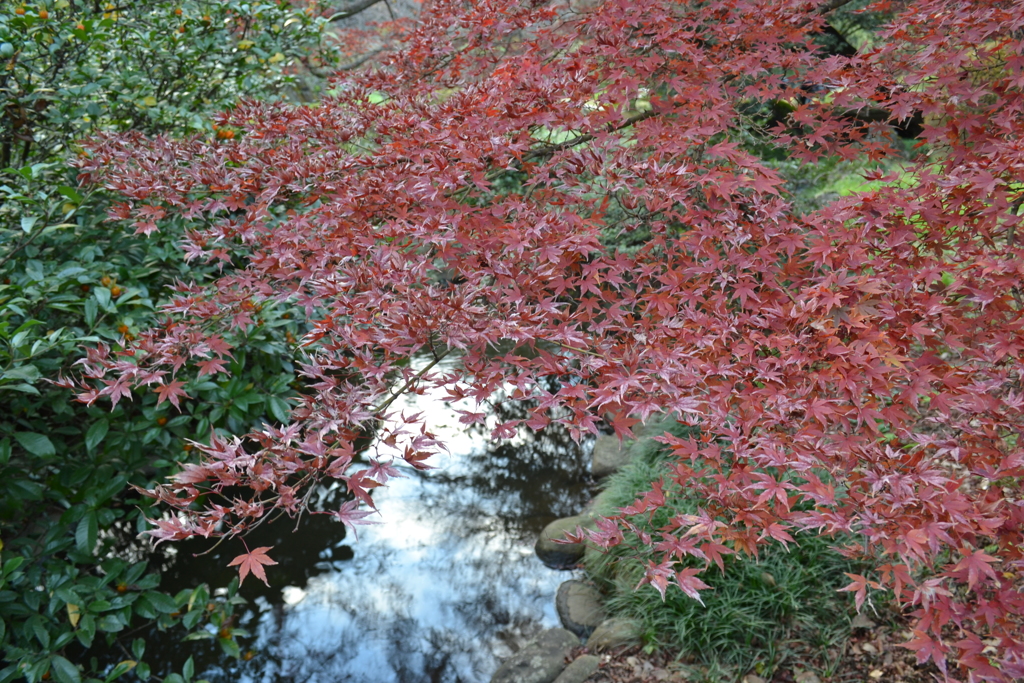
column 362, row 60
column 587, row 137
column 412, row 380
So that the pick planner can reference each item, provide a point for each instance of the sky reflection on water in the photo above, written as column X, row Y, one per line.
column 444, row 587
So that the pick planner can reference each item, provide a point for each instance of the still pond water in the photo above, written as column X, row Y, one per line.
column 443, row 588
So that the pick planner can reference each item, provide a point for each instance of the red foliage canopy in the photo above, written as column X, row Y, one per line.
column 855, row 369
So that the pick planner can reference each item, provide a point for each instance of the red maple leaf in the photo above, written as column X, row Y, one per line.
column 860, row 585
column 691, row 585
column 170, row 392
column 976, row 564
column 927, row 648
column 253, row 561
column 350, row 515
column 211, row 366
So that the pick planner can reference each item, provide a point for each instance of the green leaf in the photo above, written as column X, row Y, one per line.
column 102, row 297
column 36, row 444
column 24, row 388
column 11, row 565
column 35, row 623
column 24, row 489
column 199, row 635
column 86, row 630
column 26, row 373
column 110, row 624
column 95, row 435
column 64, row 671
column 161, row 602
column 71, row 194
column 85, row 534
column 230, row 647
column 192, row 619
column 27, row 223
column 189, row 669
column 279, row 409
column 90, row 312
column 121, row 669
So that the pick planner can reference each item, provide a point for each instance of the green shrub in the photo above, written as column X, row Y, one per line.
column 69, row 70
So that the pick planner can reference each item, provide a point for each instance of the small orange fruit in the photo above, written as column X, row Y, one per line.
column 106, row 280
column 44, row 15
column 20, row 11
column 122, row 587
column 177, row 12
column 226, row 134
column 181, row 29
column 187, row 447
column 85, row 288
column 123, row 329
column 116, row 291
column 161, row 421
column 80, row 27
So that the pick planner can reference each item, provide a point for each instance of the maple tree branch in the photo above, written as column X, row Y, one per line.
column 830, row 5
column 360, row 61
column 353, row 10
column 573, row 348
column 587, row 137
column 1011, row 232
column 412, row 380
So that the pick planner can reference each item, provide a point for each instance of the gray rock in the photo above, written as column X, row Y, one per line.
column 614, row 632
column 600, row 505
column 561, row 555
column 541, row 661
column 579, row 607
column 579, row 670
column 609, row 456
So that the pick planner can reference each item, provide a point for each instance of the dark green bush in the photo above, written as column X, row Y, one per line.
column 68, row 70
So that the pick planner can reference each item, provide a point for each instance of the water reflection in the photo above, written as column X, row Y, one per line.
column 440, row 590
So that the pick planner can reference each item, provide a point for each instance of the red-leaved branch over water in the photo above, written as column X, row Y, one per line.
column 854, row 369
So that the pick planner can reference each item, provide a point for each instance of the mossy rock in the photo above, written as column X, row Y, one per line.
column 579, row 607
column 562, row 555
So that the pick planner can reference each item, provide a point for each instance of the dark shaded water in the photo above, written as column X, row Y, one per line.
column 442, row 589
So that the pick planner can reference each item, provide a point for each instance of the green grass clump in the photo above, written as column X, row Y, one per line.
column 757, row 614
